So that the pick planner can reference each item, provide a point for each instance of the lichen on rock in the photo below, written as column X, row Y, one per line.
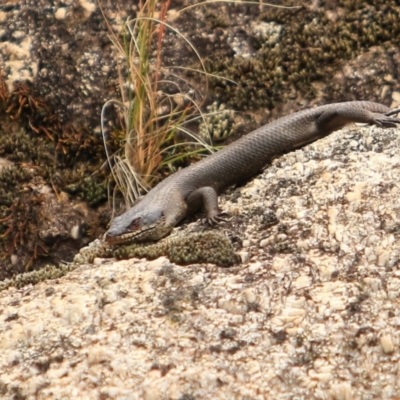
column 195, row 247
column 34, row 277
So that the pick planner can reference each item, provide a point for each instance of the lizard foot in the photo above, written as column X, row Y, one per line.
column 386, row 121
column 215, row 219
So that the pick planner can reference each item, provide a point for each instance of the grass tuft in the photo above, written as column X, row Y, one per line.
column 151, row 115
column 155, row 119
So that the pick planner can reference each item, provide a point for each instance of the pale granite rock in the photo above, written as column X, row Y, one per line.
column 313, row 313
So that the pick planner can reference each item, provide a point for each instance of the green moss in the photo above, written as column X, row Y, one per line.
column 204, row 247
column 34, row 277
column 62, row 155
column 216, row 19
column 12, row 180
column 310, row 47
column 91, row 189
column 53, row 156
column 211, row 246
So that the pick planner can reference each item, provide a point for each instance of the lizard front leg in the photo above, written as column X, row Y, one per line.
column 208, row 197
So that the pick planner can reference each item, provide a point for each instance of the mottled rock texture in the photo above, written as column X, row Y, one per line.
column 311, row 312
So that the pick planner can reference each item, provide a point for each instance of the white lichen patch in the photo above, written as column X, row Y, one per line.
column 88, row 7
column 61, row 13
column 269, row 33
column 312, row 312
column 17, row 61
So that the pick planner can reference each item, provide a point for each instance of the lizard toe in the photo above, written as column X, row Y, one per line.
column 217, row 218
column 387, row 122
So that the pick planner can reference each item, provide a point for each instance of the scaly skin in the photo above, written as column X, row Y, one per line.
column 184, row 192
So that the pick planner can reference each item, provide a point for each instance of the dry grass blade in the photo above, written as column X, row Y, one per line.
column 150, row 143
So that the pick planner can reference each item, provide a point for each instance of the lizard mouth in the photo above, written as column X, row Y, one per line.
column 149, row 233
column 127, row 238
column 139, row 230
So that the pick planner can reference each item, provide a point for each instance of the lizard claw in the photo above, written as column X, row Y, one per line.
column 393, row 112
column 386, row 121
column 215, row 219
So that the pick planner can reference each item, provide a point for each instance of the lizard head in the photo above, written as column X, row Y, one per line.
column 137, row 226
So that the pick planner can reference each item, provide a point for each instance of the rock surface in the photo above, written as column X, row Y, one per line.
column 312, row 312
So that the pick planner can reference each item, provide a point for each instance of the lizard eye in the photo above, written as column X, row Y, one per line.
column 134, row 225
